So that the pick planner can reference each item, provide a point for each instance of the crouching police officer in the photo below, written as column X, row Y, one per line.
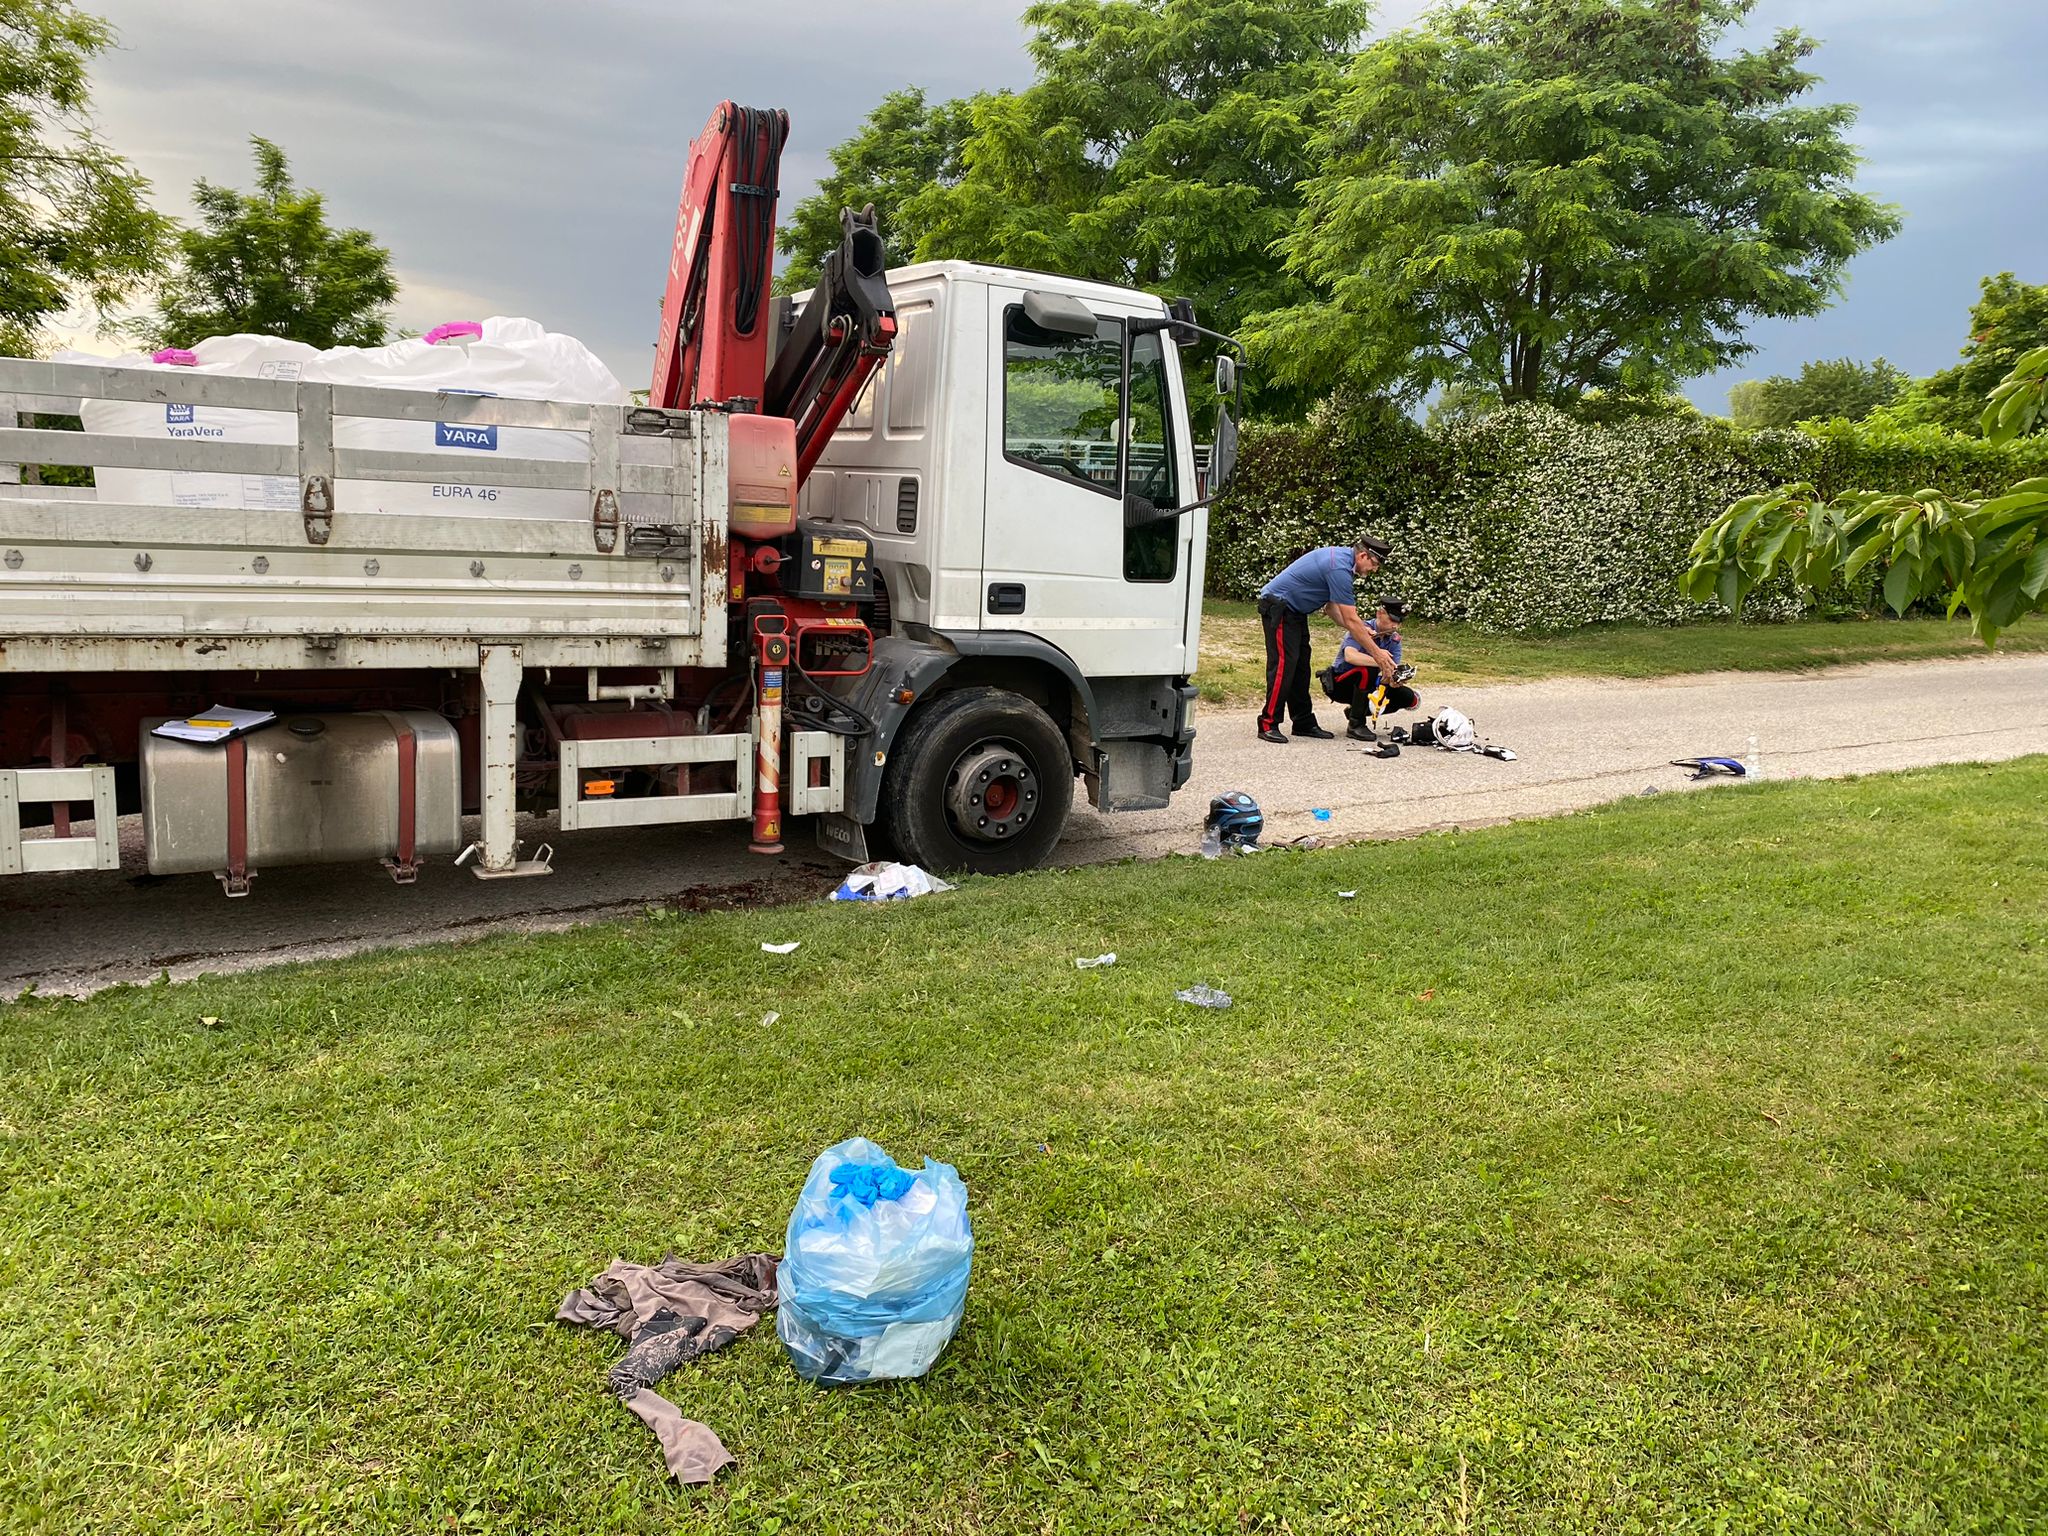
column 1356, row 673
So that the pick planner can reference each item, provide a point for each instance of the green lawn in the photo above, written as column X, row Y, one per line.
column 1233, row 666
column 1675, row 1167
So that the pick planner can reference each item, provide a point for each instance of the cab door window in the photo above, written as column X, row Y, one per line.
column 1062, row 397
column 1060, row 400
column 1152, row 553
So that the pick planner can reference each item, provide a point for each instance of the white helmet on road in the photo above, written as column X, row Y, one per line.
column 1454, row 732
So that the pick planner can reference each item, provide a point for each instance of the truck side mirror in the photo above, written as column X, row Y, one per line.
column 1223, row 455
column 1226, row 376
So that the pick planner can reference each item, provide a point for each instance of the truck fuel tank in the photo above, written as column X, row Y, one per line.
column 318, row 788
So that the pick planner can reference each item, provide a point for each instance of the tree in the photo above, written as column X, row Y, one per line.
column 267, row 263
column 1822, row 392
column 73, row 216
column 1543, row 197
column 1989, row 556
column 904, row 146
column 2009, row 319
column 1459, row 405
column 1159, row 147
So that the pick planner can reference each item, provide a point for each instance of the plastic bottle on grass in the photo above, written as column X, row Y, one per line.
column 873, row 1279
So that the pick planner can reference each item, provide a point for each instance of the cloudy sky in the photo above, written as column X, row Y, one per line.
column 523, row 156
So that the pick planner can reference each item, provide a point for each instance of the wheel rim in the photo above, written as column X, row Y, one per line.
column 991, row 792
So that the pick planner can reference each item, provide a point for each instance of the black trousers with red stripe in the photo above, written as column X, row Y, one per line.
column 1352, row 687
column 1287, row 668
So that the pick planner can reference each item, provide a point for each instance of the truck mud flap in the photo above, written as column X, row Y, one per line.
column 843, row 837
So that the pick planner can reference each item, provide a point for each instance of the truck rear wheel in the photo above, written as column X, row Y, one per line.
column 980, row 780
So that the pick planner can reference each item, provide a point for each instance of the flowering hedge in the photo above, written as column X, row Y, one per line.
column 1529, row 519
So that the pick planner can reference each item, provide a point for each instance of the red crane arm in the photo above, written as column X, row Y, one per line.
column 715, row 316
column 713, row 348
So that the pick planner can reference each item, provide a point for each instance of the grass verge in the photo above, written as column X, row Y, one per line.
column 1673, row 1167
column 1233, row 665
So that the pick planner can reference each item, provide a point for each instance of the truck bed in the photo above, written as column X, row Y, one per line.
column 93, row 585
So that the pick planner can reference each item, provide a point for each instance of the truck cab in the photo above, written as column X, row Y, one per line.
column 1026, row 530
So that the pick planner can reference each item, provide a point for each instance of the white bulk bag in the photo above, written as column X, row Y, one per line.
column 245, row 357
column 503, row 355
column 512, row 357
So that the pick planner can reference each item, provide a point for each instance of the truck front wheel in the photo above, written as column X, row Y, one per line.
column 980, row 780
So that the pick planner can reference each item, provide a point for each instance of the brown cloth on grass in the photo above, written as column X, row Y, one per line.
column 673, row 1312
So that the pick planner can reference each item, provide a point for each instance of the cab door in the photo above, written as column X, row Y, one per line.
column 1057, row 560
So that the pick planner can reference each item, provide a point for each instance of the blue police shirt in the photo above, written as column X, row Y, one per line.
column 1358, row 658
column 1318, row 577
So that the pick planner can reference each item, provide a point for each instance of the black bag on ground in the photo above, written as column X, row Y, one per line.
column 1422, row 733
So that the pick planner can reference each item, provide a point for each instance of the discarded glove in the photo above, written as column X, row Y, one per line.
column 869, row 1182
column 1708, row 767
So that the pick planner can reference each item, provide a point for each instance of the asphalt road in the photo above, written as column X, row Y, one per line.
column 1579, row 742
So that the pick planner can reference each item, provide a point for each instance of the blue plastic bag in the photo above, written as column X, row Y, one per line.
column 873, row 1279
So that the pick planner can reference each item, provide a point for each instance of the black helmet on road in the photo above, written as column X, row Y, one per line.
column 1236, row 819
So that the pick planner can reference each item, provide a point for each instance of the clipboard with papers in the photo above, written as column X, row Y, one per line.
column 215, row 725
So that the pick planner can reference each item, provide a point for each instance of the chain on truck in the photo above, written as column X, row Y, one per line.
column 906, row 555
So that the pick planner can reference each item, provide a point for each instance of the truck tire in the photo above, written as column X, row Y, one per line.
column 981, row 780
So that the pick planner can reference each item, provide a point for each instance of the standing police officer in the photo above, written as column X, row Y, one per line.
column 1323, row 579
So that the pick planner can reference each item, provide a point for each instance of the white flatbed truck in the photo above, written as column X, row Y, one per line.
column 989, row 585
